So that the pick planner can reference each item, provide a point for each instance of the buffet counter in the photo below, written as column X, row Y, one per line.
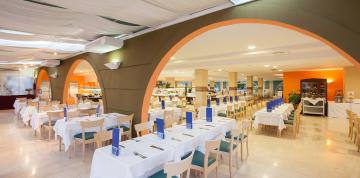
column 338, row 110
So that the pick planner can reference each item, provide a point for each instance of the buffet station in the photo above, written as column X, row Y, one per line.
column 314, row 96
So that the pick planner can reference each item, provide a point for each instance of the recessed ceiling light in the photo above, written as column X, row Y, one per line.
column 251, row 47
column 275, row 66
column 178, row 61
column 55, row 53
column 219, row 70
column 280, row 70
column 172, row 58
column 266, row 65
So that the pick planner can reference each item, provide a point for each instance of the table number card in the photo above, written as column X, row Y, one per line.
column 162, row 104
column 65, row 114
column 217, row 101
column 224, row 100
column 189, row 124
column 160, row 128
column 115, row 149
column 268, row 107
column 209, row 114
column 231, row 99
column 208, row 103
column 98, row 110
column 236, row 98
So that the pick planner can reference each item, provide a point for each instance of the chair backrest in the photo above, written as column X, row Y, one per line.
column 44, row 108
column 101, row 137
column 245, row 127
column 54, row 115
column 211, row 146
column 178, row 168
column 169, row 118
column 73, row 114
column 89, row 111
column 127, row 119
column 145, row 126
column 229, row 108
column 92, row 124
column 236, row 107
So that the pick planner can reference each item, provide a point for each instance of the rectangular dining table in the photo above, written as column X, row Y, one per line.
column 143, row 156
column 67, row 129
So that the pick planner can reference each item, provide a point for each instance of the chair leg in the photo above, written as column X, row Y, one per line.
column 59, row 144
column 83, row 151
column 241, row 147
column 230, row 164
column 237, row 160
column 247, row 148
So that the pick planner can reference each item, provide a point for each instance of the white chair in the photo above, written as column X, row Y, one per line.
column 229, row 148
column 209, row 161
column 175, row 169
column 141, row 127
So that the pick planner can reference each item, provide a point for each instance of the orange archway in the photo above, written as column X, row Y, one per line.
column 71, row 76
column 198, row 32
column 42, row 76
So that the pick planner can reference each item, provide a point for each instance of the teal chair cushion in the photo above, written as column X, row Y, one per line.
column 88, row 135
column 125, row 129
column 198, row 159
column 222, row 114
column 228, row 136
column 289, row 122
column 225, row 146
column 161, row 174
column 52, row 123
column 291, row 118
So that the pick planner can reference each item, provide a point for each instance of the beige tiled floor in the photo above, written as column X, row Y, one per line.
column 322, row 149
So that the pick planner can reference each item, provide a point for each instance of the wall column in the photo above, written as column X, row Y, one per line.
column 232, row 84
column 201, row 89
column 171, row 81
column 249, row 85
column 260, row 87
column 212, row 84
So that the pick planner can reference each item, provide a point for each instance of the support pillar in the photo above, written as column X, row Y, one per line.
column 260, row 87
column 249, row 85
column 232, row 84
column 212, row 84
column 201, row 89
column 171, row 81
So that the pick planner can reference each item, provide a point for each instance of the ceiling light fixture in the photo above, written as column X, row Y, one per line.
column 55, row 53
column 275, row 66
column 280, row 70
column 70, row 47
column 219, row 70
column 14, row 32
column 266, row 65
column 121, row 35
column 172, row 58
column 251, row 47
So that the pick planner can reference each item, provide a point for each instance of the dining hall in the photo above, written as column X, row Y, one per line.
column 185, row 89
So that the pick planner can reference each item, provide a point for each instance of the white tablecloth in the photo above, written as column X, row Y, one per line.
column 338, row 110
column 175, row 145
column 67, row 130
column 18, row 105
column 26, row 112
column 274, row 118
column 159, row 113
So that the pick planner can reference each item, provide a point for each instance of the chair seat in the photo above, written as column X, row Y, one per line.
column 88, row 135
column 228, row 136
column 161, row 174
column 225, row 146
column 198, row 159
column 52, row 123
column 289, row 122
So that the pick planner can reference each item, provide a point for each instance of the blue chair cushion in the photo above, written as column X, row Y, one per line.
column 52, row 123
column 198, row 159
column 161, row 174
column 225, row 146
column 88, row 135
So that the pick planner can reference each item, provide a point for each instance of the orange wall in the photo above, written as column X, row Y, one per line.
column 292, row 81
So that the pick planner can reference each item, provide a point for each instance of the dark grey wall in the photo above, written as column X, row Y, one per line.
column 124, row 88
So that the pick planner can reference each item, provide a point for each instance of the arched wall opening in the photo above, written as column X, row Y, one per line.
column 81, row 83
column 43, row 86
column 164, row 60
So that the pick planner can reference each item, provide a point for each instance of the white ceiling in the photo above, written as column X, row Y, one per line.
column 34, row 30
column 225, row 49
